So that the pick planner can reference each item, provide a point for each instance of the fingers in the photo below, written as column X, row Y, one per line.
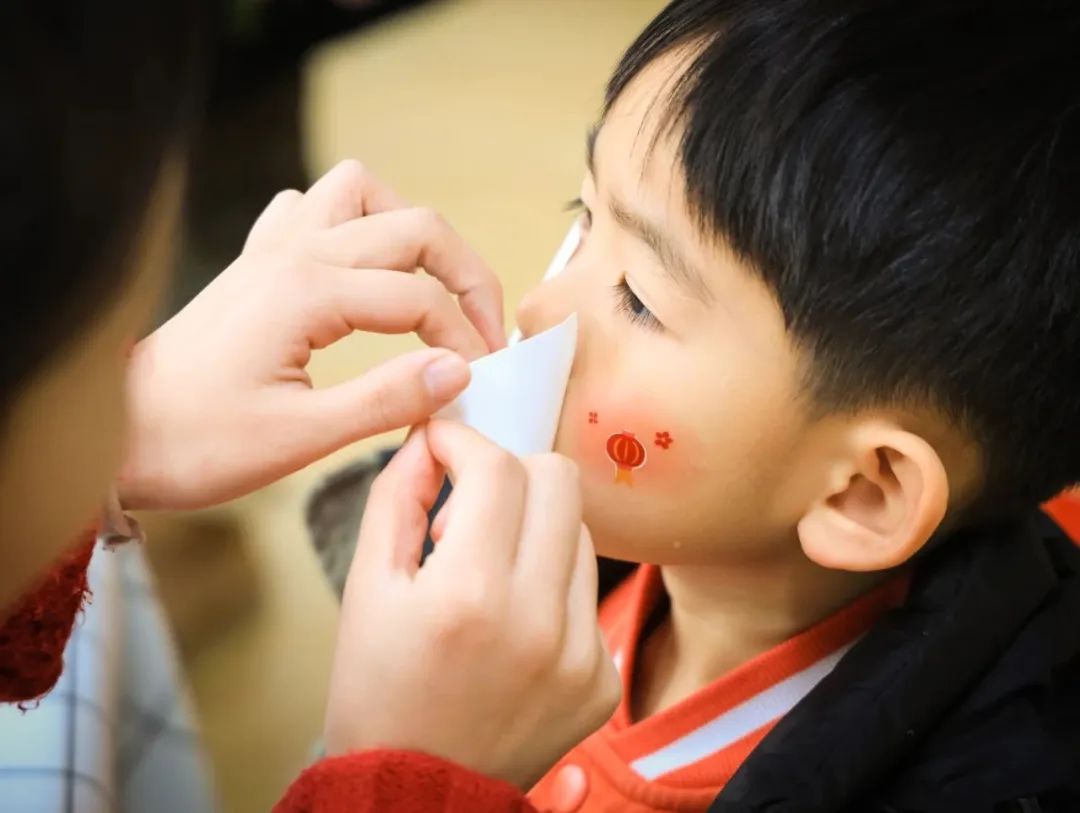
column 389, row 302
column 395, row 519
column 346, row 192
column 585, row 660
column 438, row 525
column 401, row 392
column 410, row 238
column 483, row 518
column 549, row 539
column 581, row 597
column 274, row 220
column 580, row 603
column 349, row 218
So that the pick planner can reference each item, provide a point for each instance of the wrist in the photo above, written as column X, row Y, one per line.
column 136, row 488
column 117, row 527
column 135, row 492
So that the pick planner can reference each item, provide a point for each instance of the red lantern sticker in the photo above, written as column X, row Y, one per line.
column 627, row 453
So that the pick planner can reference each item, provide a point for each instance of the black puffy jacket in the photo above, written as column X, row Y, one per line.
column 965, row 700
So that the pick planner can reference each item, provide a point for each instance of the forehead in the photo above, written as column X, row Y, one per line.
column 636, row 143
column 636, row 166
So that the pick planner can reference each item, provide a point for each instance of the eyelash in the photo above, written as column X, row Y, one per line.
column 626, row 301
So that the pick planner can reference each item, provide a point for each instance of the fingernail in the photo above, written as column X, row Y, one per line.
column 446, row 376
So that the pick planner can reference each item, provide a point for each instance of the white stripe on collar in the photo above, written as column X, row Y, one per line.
column 737, row 722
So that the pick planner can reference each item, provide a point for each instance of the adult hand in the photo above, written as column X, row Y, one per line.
column 489, row 655
column 220, row 400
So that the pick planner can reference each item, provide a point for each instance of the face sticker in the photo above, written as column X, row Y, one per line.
column 629, row 450
column 627, row 453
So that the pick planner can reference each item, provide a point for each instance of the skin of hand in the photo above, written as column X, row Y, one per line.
column 219, row 400
column 489, row 654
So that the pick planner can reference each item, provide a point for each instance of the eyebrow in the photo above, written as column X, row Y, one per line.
column 682, row 272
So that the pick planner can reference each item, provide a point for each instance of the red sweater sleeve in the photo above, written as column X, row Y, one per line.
column 34, row 632
column 401, row 781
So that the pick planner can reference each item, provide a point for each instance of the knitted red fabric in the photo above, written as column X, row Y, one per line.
column 401, row 781
column 33, row 635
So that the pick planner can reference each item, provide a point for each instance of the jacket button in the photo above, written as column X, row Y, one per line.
column 571, row 788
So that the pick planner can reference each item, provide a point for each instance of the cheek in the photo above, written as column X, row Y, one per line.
column 630, row 445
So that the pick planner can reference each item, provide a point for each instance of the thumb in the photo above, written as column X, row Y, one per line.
column 396, row 515
column 404, row 391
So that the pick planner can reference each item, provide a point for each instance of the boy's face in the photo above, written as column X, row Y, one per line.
column 683, row 348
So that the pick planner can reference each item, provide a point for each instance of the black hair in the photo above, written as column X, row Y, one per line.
column 905, row 177
column 93, row 97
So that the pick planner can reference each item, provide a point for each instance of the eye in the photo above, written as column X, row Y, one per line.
column 636, row 311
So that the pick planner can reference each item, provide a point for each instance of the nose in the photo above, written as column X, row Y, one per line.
column 545, row 306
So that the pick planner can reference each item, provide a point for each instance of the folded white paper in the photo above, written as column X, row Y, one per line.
column 516, row 395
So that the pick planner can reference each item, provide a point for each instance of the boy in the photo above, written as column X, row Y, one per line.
column 828, row 292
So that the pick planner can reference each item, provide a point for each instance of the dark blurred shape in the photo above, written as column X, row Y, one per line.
column 250, row 145
column 93, row 99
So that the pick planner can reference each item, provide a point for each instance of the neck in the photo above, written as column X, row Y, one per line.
column 722, row 616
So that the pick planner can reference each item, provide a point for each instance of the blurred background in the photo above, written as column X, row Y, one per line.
column 476, row 107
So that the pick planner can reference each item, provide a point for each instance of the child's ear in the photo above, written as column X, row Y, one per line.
column 882, row 502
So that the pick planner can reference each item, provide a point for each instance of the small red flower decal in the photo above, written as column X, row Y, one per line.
column 664, row 440
column 594, row 418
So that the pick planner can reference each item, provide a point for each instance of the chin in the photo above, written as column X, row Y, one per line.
column 620, row 544
column 627, row 544
column 618, row 552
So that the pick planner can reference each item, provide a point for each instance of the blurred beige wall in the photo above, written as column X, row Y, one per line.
column 478, row 108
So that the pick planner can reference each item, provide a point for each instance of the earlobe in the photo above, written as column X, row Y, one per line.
column 883, row 502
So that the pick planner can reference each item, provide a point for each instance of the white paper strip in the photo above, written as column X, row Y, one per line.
column 557, row 264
